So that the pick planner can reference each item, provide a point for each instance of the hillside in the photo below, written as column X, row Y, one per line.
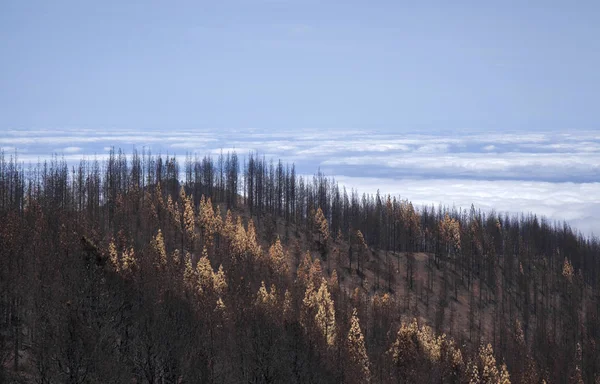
column 124, row 272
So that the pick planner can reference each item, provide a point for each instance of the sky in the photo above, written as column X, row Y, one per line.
column 286, row 64
column 495, row 103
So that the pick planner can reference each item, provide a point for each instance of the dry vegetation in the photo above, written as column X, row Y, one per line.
column 123, row 273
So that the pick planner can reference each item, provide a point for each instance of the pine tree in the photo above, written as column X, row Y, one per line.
column 357, row 351
column 322, row 228
column 362, row 247
column 577, row 376
column 450, row 229
column 473, row 373
column 567, row 270
column 189, row 218
column 176, row 257
column 452, row 361
column 203, row 216
column 189, row 274
column 205, row 273
column 219, row 281
column 217, row 226
column 336, row 258
column 489, row 372
column 265, row 299
column 239, row 241
column 206, row 217
column 308, row 305
column 405, row 351
column 158, row 196
column 254, row 250
column 303, row 273
column 531, row 374
column 504, row 376
column 357, row 298
column 158, row 247
column 113, row 256
column 287, row 305
column 173, row 209
column 325, row 317
column 430, row 344
column 228, row 226
column 173, row 227
column 220, row 307
column 316, row 272
column 277, row 259
column 334, row 284
column 128, row 260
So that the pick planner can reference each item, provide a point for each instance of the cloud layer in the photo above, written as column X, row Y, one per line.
column 554, row 173
column 577, row 203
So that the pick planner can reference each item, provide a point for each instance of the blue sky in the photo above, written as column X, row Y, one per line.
column 285, row 64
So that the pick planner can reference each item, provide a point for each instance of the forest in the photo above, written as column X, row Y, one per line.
column 146, row 268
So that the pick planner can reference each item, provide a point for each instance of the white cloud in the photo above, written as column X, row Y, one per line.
column 433, row 148
column 71, row 159
column 578, row 204
column 224, row 151
column 188, row 145
column 527, row 171
column 582, row 146
column 72, row 149
column 524, row 166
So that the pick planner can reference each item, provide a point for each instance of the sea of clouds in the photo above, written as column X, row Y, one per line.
column 555, row 174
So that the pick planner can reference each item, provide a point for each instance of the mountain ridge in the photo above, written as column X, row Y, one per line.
column 364, row 267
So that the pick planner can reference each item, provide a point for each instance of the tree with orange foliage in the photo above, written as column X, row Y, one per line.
column 207, row 222
column 316, row 272
column 219, row 281
column 361, row 247
column 417, row 353
column 158, row 249
column 318, row 313
column 267, row 300
column 488, row 371
column 287, row 306
column 128, row 260
column 228, row 228
column 334, row 283
column 239, row 241
column 322, row 228
column 189, row 220
column 568, row 271
column 325, row 317
column 189, row 274
column 204, row 273
column 252, row 246
column 359, row 367
column 450, row 231
column 217, row 225
column 113, row 256
column 277, row 259
column 303, row 273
